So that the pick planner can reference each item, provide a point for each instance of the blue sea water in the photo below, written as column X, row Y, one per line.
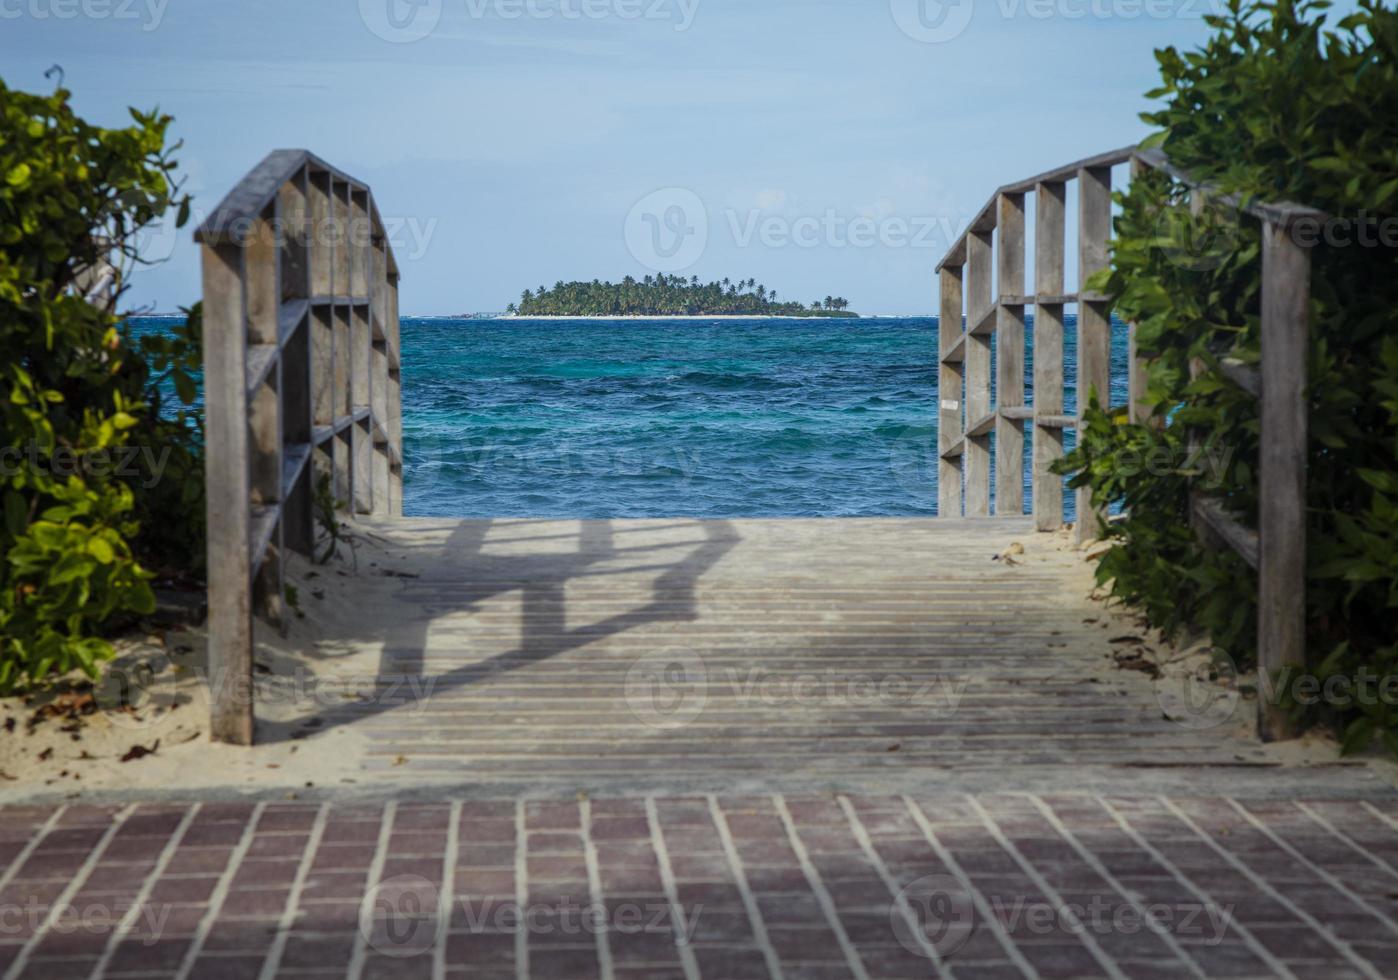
column 680, row 417
column 663, row 418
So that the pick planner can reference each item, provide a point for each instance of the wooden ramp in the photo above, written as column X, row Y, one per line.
column 685, row 652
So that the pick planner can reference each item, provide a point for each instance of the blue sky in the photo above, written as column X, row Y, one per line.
column 829, row 146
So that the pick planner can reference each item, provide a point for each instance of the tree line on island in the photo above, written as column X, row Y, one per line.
column 663, row 295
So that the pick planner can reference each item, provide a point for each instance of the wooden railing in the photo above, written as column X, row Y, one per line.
column 301, row 381
column 970, row 316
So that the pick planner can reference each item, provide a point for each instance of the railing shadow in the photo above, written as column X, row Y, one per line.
column 465, row 576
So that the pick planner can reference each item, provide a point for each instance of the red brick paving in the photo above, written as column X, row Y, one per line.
column 721, row 888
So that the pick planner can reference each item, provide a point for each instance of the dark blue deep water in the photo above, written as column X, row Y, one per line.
column 668, row 418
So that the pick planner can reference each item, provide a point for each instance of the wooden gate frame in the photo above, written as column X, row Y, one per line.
column 301, row 378
column 995, row 240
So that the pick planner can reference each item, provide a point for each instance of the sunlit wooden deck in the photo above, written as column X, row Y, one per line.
column 662, row 652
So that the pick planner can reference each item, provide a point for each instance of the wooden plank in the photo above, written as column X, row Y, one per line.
column 1021, row 412
column 982, row 426
column 260, row 359
column 1094, row 318
column 339, row 238
column 378, row 404
column 954, row 452
column 957, row 352
column 264, row 420
column 1212, row 514
column 985, row 218
column 395, row 389
column 262, row 272
column 250, row 196
column 1138, row 374
column 361, row 380
column 1057, row 422
column 226, row 478
column 1009, row 358
column 1281, row 586
column 359, row 236
column 984, row 325
column 321, row 218
column 322, row 327
column 1281, row 213
column 976, row 459
column 293, row 209
column 949, row 394
column 1049, row 224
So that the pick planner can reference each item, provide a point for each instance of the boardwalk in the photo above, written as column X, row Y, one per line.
column 812, row 749
column 675, row 653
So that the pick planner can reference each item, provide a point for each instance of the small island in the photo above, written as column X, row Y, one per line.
column 669, row 296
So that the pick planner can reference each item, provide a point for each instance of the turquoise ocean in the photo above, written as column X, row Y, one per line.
column 678, row 417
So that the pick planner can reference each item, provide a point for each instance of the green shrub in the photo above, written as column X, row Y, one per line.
column 1279, row 106
column 77, row 393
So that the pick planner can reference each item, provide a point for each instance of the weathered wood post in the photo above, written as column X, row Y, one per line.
column 1009, row 358
column 227, row 493
column 979, row 325
column 1049, row 208
column 1094, row 316
column 1281, row 585
column 1138, row 409
column 949, row 378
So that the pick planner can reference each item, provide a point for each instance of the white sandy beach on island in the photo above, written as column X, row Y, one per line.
column 683, row 316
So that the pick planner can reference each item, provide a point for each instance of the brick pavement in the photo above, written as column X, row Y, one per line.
column 797, row 886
